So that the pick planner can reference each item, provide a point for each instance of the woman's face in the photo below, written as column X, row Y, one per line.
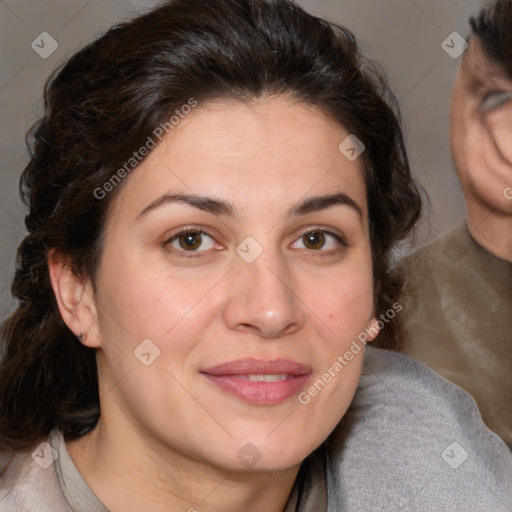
column 239, row 248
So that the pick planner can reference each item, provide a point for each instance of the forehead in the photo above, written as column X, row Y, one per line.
column 275, row 150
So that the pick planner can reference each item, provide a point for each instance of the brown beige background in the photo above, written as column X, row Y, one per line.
column 405, row 36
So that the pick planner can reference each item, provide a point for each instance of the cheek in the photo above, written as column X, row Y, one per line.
column 349, row 308
column 499, row 123
column 469, row 141
column 344, row 303
column 140, row 303
column 353, row 292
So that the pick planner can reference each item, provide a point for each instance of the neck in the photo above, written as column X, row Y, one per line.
column 129, row 472
column 491, row 229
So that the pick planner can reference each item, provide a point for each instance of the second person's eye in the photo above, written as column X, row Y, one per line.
column 494, row 100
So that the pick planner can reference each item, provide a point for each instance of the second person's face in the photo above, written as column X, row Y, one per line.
column 481, row 130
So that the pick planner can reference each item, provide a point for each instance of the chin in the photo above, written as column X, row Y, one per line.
column 497, row 204
column 262, row 452
column 270, row 463
column 281, row 456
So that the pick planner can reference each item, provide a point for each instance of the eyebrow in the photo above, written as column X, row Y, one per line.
column 317, row 203
column 204, row 203
column 487, row 73
column 218, row 207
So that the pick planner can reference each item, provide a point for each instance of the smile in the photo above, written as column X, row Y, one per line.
column 266, row 378
column 260, row 382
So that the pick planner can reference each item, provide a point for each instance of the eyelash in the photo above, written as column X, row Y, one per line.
column 194, row 254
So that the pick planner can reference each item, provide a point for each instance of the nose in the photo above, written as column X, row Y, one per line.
column 261, row 298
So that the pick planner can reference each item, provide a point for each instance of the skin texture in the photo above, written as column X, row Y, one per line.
column 168, row 438
column 481, row 138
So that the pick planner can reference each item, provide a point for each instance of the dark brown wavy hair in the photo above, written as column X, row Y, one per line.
column 105, row 102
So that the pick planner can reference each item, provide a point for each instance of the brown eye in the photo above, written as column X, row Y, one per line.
column 190, row 241
column 314, row 240
column 321, row 241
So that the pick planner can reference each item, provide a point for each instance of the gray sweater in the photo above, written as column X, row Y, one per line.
column 410, row 441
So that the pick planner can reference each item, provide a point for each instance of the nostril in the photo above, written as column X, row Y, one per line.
column 248, row 328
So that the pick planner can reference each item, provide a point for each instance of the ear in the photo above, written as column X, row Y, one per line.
column 75, row 298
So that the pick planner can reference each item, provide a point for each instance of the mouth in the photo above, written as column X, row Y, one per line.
column 260, row 382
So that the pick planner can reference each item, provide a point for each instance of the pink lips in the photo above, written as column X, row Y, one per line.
column 242, row 378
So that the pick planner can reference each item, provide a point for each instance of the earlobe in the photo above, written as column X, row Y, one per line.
column 373, row 328
column 75, row 298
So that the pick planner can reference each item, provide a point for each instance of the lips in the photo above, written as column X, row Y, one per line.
column 260, row 382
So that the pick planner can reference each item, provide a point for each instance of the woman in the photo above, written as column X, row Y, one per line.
column 215, row 190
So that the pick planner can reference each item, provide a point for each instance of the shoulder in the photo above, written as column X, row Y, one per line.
column 436, row 276
column 448, row 246
column 28, row 482
column 413, row 440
